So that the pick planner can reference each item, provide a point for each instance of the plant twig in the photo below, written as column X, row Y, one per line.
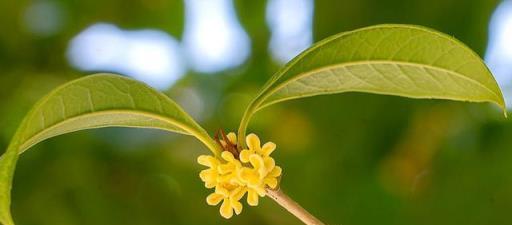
column 293, row 207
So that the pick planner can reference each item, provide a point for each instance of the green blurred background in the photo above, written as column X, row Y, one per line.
column 352, row 159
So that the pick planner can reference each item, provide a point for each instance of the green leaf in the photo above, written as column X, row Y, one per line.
column 403, row 60
column 95, row 101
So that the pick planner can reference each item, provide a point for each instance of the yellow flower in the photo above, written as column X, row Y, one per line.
column 230, row 196
column 232, row 177
column 229, row 170
column 209, row 176
column 253, row 142
column 263, row 173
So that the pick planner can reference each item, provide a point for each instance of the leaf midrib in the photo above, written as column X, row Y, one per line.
column 366, row 62
column 337, row 36
column 40, row 133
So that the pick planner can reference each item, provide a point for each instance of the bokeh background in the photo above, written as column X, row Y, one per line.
column 352, row 159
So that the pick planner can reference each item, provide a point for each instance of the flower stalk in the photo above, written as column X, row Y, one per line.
column 293, row 207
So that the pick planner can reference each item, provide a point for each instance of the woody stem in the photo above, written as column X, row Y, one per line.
column 293, row 207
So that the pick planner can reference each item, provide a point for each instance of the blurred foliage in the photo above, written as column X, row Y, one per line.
column 368, row 159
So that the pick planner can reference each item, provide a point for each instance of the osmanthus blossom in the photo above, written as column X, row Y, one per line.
column 250, row 171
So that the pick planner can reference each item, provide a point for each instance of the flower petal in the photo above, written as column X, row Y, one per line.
column 244, row 155
column 232, row 137
column 208, row 175
column 269, row 164
column 268, row 148
column 228, row 156
column 222, row 191
column 258, row 164
column 225, row 209
column 256, row 161
column 214, row 199
column 209, row 184
column 271, row 182
column 207, row 160
column 253, row 142
column 249, row 176
column 252, row 198
column 238, row 193
column 226, row 168
column 237, row 206
column 225, row 178
column 277, row 171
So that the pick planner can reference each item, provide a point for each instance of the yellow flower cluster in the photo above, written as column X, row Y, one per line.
column 250, row 171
